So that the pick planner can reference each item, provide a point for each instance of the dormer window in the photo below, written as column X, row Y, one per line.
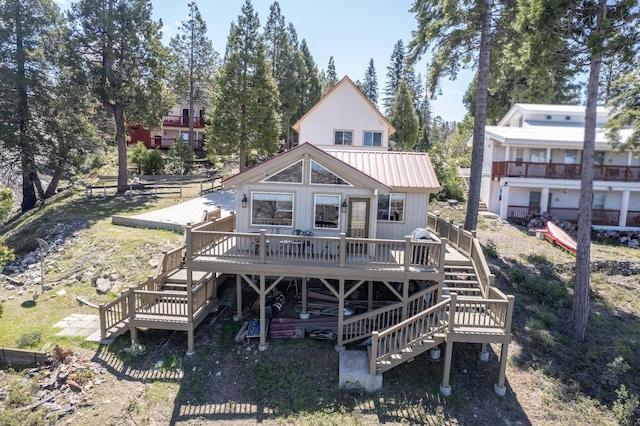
column 548, row 117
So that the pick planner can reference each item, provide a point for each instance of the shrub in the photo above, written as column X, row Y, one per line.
column 180, row 158
column 96, row 162
column 518, row 276
column 29, row 339
column 154, row 164
column 491, row 249
column 626, row 406
column 138, row 156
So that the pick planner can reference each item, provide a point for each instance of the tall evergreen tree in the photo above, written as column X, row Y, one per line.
column 403, row 117
column 125, row 64
column 598, row 29
column 395, row 74
column 371, row 84
column 244, row 118
column 332, row 77
column 452, row 29
column 309, row 86
column 193, row 63
column 425, row 123
column 281, row 54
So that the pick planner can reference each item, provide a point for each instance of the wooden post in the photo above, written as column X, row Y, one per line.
column 103, row 321
column 263, row 314
column 104, row 189
column 189, row 311
column 238, row 314
column 374, row 353
column 500, row 388
column 405, row 299
column 343, row 249
column 370, row 297
column 131, row 297
column 304, row 295
column 445, row 388
column 407, row 252
column 188, row 243
column 443, row 252
column 340, row 346
column 262, row 245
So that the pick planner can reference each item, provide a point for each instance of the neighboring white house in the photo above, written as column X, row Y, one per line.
column 341, row 179
column 532, row 164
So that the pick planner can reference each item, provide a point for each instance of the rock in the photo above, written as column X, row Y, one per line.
column 46, row 287
column 103, row 285
column 12, row 280
column 9, row 287
column 114, row 276
column 633, row 244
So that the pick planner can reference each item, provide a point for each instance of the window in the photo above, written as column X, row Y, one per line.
column 391, row 207
column 598, row 158
column 271, row 209
column 343, row 137
column 327, row 211
column 538, row 155
column 571, row 156
column 322, row 176
column 372, row 138
column 598, row 201
column 519, row 155
column 534, row 198
column 291, row 174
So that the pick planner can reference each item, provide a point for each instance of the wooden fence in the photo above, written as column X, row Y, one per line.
column 22, row 357
column 153, row 189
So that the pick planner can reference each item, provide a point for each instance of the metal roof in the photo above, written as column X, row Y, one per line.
column 411, row 171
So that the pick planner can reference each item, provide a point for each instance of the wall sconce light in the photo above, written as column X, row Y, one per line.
column 565, row 190
column 244, row 201
column 343, row 206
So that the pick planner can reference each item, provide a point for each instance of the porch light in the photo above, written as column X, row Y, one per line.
column 244, row 201
column 344, row 206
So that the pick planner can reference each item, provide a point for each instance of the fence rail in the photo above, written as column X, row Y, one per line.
column 154, row 189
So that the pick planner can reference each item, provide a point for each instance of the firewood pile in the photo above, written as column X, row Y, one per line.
column 65, row 383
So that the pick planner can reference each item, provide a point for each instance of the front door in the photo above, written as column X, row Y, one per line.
column 358, row 219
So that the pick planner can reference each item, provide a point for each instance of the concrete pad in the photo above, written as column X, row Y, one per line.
column 81, row 325
column 354, row 372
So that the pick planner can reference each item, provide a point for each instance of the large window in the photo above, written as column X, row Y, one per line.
column 372, row 138
column 327, row 211
column 391, row 207
column 538, row 155
column 273, row 209
column 343, row 137
column 291, row 174
column 322, row 176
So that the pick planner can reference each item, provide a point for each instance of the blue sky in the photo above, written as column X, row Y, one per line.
column 352, row 31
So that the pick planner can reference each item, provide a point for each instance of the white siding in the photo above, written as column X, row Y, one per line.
column 343, row 110
column 415, row 216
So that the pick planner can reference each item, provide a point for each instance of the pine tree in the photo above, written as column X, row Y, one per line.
column 309, row 86
column 281, row 54
column 371, row 84
column 244, row 118
column 332, row 77
column 193, row 63
column 125, row 62
column 403, row 117
column 395, row 74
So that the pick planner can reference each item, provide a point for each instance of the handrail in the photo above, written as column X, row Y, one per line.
column 419, row 327
column 361, row 326
column 343, row 251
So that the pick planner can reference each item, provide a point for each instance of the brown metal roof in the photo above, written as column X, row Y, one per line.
column 410, row 171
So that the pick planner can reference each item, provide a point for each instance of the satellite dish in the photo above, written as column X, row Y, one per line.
column 43, row 245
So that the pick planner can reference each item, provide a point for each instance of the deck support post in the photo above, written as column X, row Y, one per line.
column 445, row 387
column 370, row 297
column 499, row 388
column 484, row 353
column 263, row 312
column 405, row 299
column 190, row 341
column 238, row 314
column 339, row 345
column 304, row 314
column 190, row 344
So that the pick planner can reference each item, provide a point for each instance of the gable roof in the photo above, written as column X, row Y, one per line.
column 401, row 171
column 346, row 82
column 523, row 109
column 277, row 163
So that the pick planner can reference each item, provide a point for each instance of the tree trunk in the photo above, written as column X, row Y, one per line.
column 480, row 118
column 121, row 141
column 577, row 325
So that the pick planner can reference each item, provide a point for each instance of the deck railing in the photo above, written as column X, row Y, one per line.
column 420, row 327
column 465, row 242
column 361, row 326
column 292, row 249
column 524, row 169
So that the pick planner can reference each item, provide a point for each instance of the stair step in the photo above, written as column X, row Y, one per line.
column 472, row 282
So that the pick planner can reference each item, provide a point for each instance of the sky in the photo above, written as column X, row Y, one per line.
column 352, row 31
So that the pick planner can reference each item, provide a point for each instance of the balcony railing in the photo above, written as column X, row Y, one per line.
column 182, row 121
column 502, row 169
column 599, row 217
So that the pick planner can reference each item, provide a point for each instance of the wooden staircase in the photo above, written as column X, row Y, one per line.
column 407, row 353
column 462, row 279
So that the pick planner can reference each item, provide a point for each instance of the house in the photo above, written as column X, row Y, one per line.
column 342, row 178
column 336, row 213
column 175, row 126
column 532, row 164
column 364, row 194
